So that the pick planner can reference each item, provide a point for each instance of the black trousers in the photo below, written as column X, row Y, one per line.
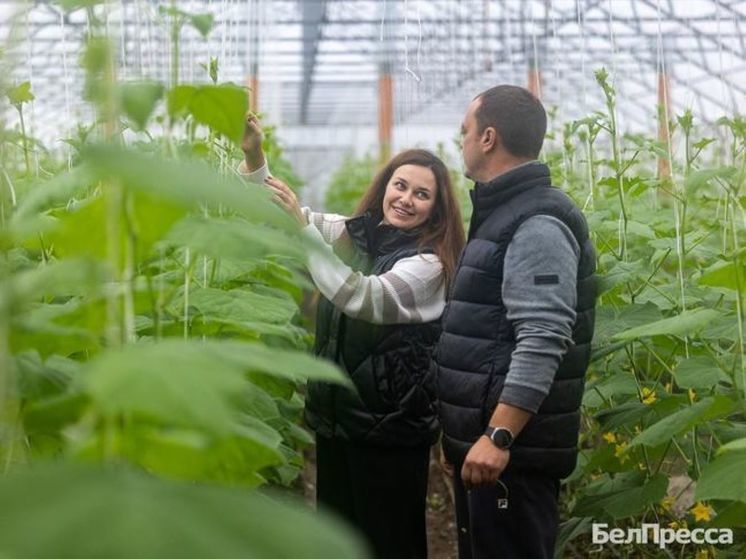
column 527, row 528
column 379, row 490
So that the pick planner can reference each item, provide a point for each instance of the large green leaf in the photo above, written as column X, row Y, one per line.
column 191, row 455
column 233, row 238
column 55, row 192
column 723, row 274
column 50, row 415
column 670, row 241
column 623, row 272
column 640, row 229
column 221, row 107
column 175, row 382
column 202, row 23
column 698, row 179
column 43, row 329
column 149, row 217
column 178, row 100
column 682, row 420
column 724, row 478
column 82, row 231
column 284, row 363
column 138, row 100
column 620, row 384
column 687, row 322
column 190, row 383
column 188, row 183
column 730, row 431
column 569, row 530
column 610, row 321
column 738, row 444
column 70, row 512
column 239, row 306
column 73, row 235
column 37, row 379
column 54, row 279
column 253, row 331
column 626, row 414
column 725, row 327
column 625, row 495
column 699, row 372
column 168, row 452
column 258, row 403
column 731, row 515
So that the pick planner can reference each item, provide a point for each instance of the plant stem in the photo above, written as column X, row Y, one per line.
column 113, row 195
column 11, row 429
column 663, row 458
column 187, row 277
column 24, row 139
column 591, row 170
column 8, row 415
column 695, row 454
column 153, row 306
column 679, row 208
column 128, row 275
column 650, row 277
column 175, row 31
column 619, row 173
column 739, row 292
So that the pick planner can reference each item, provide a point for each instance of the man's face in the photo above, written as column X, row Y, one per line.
column 470, row 145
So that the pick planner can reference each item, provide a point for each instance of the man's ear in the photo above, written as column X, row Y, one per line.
column 490, row 139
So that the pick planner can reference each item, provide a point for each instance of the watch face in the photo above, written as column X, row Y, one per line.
column 502, row 438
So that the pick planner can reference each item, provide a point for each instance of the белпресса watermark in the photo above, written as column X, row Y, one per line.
column 662, row 537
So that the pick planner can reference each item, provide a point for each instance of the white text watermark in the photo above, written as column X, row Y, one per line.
column 662, row 537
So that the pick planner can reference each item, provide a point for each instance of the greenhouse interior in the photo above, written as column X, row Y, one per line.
column 176, row 340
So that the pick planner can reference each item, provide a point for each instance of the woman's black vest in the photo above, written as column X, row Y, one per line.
column 474, row 352
column 392, row 403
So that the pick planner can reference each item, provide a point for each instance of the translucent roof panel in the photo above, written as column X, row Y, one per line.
column 318, row 62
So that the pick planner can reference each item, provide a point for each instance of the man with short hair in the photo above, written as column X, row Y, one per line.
column 517, row 329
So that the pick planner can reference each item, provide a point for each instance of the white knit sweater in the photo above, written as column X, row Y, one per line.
column 412, row 291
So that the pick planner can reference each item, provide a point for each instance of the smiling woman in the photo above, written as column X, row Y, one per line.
column 410, row 197
column 383, row 275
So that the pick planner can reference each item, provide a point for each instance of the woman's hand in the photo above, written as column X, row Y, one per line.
column 286, row 199
column 251, row 144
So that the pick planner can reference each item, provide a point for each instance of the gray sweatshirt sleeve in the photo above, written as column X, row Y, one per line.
column 539, row 293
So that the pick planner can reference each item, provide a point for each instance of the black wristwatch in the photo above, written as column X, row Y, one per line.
column 501, row 437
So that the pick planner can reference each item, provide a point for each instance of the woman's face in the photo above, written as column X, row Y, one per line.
column 410, row 197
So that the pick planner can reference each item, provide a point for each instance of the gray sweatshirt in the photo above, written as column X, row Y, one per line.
column 541, row 308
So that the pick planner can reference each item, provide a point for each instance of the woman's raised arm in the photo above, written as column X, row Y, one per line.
column 251, row 144
column 413, row 291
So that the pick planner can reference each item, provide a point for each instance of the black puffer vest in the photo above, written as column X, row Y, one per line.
column 473, row 355
column 393, row 400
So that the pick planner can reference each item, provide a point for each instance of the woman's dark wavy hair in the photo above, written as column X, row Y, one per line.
column 443, row 231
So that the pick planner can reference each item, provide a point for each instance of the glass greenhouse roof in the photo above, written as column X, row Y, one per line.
column 318, row 62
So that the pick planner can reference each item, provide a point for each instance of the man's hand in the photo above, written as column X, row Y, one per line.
column 484, row 463
column 251, row 144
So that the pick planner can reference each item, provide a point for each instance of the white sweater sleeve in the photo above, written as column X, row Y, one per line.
column 331, row 226
column 413, row 291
